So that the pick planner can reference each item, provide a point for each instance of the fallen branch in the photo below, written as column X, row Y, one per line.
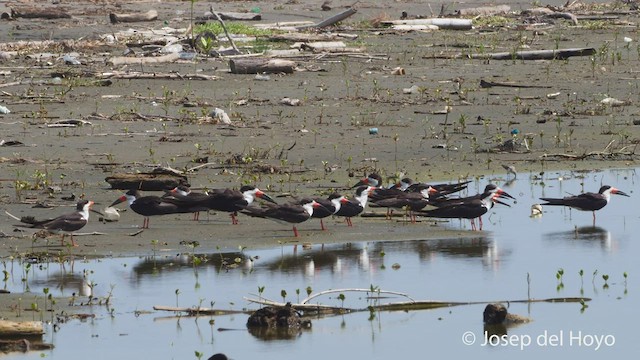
column 199, row 311
column 332, row 20
column 304, row 301
column 559, row 54
column 226, row 32
column 146, row 75
column 488, row 84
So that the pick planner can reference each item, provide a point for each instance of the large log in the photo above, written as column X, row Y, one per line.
column 135, row 17
column 23, row 328
column 231, row 16
column 39, row 12
column 261, row 66
column 125, row 60
column 559, row 54
column 443, row 23
column 484, row 10
column 146, row 181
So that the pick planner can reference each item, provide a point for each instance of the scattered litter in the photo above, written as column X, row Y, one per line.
column 373, row 131
column 614, row 102
column 172, row 48
column 110, row 214
column 220, row 115
column 71, row 60
column 4, row 110
column 69, row 123
column 261, row 77
column 412, row 90
column 290, row 102
column 553, row 95
column 11, row 143
column 536, row 210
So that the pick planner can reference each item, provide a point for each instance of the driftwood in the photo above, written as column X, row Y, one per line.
column 39, row 12
column 23, row 345
column 261, row 65
column 286, row 25
column 136, row 17
column 231, row 16
column 559, row 54
column 488, row 84
column 124, row 60
column 23, row 328
column 332, row 20
column 164, row 76
column 397, row 306
column 484, row 10
column 196, row 311
column 153, row 181
column 442, row 23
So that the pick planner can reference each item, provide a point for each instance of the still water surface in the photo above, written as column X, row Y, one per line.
column 490, row 267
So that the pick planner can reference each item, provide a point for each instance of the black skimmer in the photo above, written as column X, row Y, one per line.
column 490, row 189
column 351, row 208
column 471, row 208
column 64, row 224
column 588, row 201
column 330, row 206
column 191, row 201
column 232, row 201
column 410, row 201
column 149, row 205
column 373, row 179
column 288, row 213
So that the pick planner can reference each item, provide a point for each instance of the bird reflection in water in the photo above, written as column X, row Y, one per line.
column 586, row 235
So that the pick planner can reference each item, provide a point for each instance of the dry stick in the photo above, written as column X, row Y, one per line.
column 225, row 29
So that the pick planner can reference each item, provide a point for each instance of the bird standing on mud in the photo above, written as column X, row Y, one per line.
column 64, row 224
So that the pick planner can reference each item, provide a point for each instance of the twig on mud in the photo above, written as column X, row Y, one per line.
column 225, row 30
column 304, row 301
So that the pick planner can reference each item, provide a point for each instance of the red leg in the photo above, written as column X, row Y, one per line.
column 349, row 223
column 473, row 225
column 73, row 242
column 295, row 231
column 62, row 240
column 234, row 219
column 322, row 225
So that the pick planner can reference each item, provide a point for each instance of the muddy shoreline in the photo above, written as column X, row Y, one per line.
column 325, row 144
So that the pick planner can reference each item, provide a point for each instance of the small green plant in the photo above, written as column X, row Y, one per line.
column 177, row 296
column 341, row 297
column 583, row 305
column 283, row 294
column 559, row 275
column 605, row 277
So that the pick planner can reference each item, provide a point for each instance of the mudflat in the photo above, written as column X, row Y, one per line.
column 397, row 102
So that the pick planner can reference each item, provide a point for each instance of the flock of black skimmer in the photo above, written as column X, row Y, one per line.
column 416, row 199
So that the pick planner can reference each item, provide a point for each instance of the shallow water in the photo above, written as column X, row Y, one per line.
column 490, row 267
